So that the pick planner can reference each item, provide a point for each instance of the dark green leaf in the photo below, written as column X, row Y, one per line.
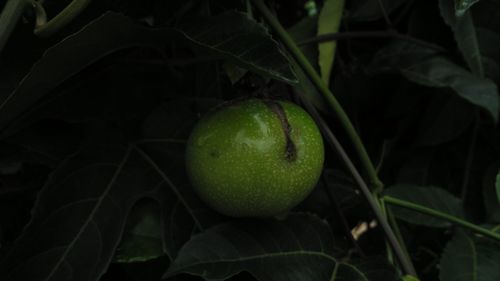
column 424, row 66
column 78, row 219
column 236, row 37
column 299, row 248
column 470, row 258
column 465, row 33
column 231, row 36
column 431, row 197
column 141, row 239
column 109, row 33
column 79, row 215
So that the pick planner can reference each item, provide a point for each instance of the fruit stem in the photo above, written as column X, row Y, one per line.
column 323, row 89
column 62, row 19
column 290, row 148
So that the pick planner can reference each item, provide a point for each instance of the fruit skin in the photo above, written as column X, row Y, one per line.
column 238, row 158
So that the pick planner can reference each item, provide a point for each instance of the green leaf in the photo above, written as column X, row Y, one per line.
column 465, row 34
column 461, row 6
column 328, row 22
column 424, row 66
column 470, row 258
column 298, row 248
column 232, row 36
column 431, row 197
column 142, row 240
column 242, row 40
column 81, row 212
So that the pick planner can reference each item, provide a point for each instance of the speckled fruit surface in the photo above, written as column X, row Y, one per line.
column 254, row 158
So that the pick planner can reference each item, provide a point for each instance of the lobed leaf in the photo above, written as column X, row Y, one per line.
column 232, row 36
column 298, row 248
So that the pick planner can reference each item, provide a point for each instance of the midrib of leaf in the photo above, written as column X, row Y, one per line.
column 91, row 215
column 170, row 183
column 263, row 256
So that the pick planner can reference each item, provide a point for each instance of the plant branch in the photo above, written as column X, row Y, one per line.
column 11, row 13
column 406, row 263
column 323, row 89
column 441, row 215
column 62, row 19
column 368, row 34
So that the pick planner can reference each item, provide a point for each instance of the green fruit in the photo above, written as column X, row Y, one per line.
column 254, row 158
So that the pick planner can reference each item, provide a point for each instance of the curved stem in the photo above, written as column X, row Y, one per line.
column 62, row 19
column 11, row 13
column 441, row 215
column 323, row 89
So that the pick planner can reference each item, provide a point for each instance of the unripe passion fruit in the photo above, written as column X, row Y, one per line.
column 254, row 158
